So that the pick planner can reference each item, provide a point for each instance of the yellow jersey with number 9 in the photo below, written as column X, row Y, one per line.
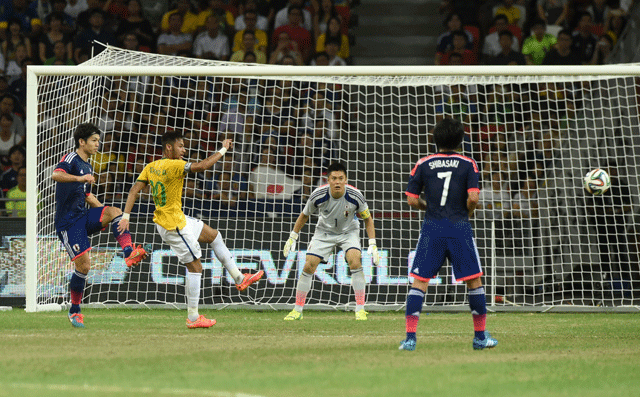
column 166, row 178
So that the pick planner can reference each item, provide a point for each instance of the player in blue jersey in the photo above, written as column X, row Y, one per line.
column 75, row 222
column 449, row 182
column 337, row 205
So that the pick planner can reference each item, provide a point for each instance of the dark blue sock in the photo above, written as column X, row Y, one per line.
column 415, row 299
column 76, row 288
column 478, row 305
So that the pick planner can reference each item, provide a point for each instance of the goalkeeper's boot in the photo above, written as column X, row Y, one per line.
column 408, row 344
column 77, row 320
column 361, row 315
column 293, row 315
column 249, row 279
column 487, row 343
column 136, row 256
column 201, row 322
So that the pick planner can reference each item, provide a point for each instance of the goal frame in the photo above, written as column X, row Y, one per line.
column 243, row 70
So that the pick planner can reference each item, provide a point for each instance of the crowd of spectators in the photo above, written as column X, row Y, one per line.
column 530, row 32
column 66, row 32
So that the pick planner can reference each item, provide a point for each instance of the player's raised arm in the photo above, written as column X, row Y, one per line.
column 128, row 207
column 371, row 233
column 211, row 160
column 63, row 177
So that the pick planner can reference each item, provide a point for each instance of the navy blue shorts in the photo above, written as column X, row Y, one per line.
column 440, row 240
column 76, row 238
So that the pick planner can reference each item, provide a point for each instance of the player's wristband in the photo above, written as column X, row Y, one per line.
column 293, row 235
column 125, row 216
column 372, row 241
column 222, row 151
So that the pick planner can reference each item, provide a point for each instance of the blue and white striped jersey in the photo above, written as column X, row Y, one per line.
column 336, row 216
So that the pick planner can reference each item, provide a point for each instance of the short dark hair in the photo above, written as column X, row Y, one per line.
column 448, row 134
column 506, row 33
column 85, row 131
column 169, row 138
column 565, row 32
column 333, row 40
column 18, row 148
column 336, row 167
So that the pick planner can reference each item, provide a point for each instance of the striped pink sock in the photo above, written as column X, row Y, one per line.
column 359, row 297
column 412, row 323
column 479, row 322
column 301, row 298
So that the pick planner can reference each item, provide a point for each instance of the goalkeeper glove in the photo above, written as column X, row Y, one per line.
column 290, row 245
column 373, row 251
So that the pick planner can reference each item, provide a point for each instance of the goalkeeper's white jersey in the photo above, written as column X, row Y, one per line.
column 336, row 216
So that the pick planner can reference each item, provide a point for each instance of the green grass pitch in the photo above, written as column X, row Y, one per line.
column 127, row 352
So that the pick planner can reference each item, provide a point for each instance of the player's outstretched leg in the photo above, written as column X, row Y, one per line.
column 224, row 256
column 358, row 283
column 195, row 320
column 76, row 289
column 478, row 305
column 302, row 289
column 415, row 299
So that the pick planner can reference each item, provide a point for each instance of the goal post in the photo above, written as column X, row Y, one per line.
column 534, row 131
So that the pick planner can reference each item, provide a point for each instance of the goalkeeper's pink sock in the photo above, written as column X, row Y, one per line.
column 304, row 285
column 358, row 283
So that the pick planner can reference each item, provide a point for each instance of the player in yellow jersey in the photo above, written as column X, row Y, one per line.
column 184, row 233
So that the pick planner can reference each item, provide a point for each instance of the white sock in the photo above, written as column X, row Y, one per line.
column 193, row 295
column 358, row 283
column 304, row 285
column 225, row 257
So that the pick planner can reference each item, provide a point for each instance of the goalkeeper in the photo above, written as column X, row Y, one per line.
column 337, row 204
column 184, row 233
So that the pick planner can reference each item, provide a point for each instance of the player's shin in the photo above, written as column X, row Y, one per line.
column 358, row 283
column 193, row 295
column 76, row 289
column 415, row 299
column 303, row 288
column 478, row 305
column 224, row 256
column 123, row 238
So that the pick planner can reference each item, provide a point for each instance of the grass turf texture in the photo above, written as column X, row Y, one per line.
column 255, row 353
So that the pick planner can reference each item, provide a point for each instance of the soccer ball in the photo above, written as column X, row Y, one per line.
column 597, row 181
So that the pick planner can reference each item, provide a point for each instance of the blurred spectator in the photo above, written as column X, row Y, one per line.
column 268, row 182
column 54, row 35
column 445, row 40
column 16, row 159
column 223, row 10
column 75, row 7
column 14, row 38
column 616, row 23
column 130, row 42
column 603, row 49
column 249, row 44
column 18, row 193
column 174, row 41
column 250, row 11
column 30, row 24
column 19, row 85
column 332, row 47
column 516, row 13
column 40, row 9
column 553, row 12
column 584, row 42
column 457, row 105
column 83, row 19
column 13, row 69
column 9, row 106
column 508, row 56
column 212, row 44
column 137, row 23
column 492, row 46
column 282, row 16
column 599, row 11
column 333, row 32
column 318, row 108
column 233, row 120
column 262, row 40
column 111, row 184
column 68, row 22
column 459, row 47
column 297, row 33
column 107, row 154
column 188, row 19
column 115, row 10
column 86, row 40
column 285, row 47
column 325, row 10
column 8, row 138
column 562, row 53
column 536, row 46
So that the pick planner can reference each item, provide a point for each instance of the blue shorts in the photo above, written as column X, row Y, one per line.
column 76, row 237
column 443, row 239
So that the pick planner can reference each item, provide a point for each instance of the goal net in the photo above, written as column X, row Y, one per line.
column 542, row 239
